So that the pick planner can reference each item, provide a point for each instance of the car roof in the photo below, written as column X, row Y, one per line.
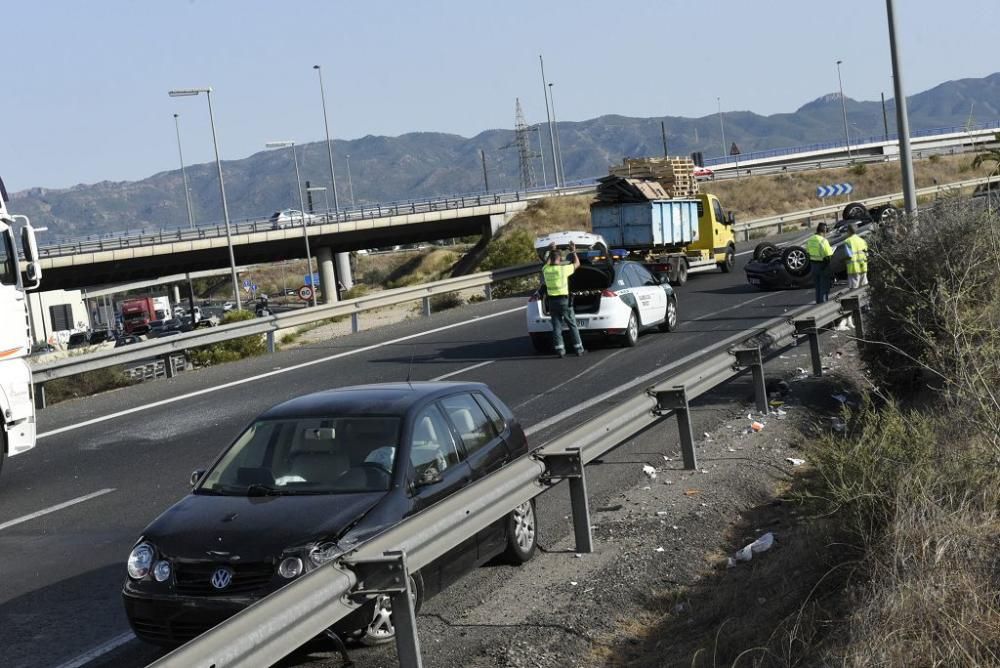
column 375, row 399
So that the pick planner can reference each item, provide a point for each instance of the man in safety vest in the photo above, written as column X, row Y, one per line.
column 556, row 275
column 820, row 252
column 857, row 258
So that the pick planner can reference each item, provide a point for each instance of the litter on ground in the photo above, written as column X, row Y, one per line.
column 795, row 462
column 649, row 471
column 762, row 544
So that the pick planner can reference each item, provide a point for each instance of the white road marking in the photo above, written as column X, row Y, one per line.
column 730, row 308
column 58, row 506
column 468, row 368
column 570, row 380
column 98, row 651
column 269, row 374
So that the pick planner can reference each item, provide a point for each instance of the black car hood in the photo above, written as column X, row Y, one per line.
column 255, row 528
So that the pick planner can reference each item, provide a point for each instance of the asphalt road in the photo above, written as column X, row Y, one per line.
column 125, row 456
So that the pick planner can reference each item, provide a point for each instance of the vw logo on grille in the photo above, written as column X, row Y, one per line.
column 222, row 577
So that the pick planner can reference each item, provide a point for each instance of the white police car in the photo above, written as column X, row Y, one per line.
column 613, row 298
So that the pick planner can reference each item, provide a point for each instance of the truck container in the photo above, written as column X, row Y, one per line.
column 671, row 237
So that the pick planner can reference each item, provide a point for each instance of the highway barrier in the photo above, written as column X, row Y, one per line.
column 164, row 348
column 277, row 625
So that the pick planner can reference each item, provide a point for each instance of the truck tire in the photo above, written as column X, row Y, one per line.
column 764, row 251
column 727, row 265
column 796, row 261
column 680, row 275
column 855, row 211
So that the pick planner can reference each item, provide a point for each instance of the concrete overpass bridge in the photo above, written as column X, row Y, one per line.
column 89, row 263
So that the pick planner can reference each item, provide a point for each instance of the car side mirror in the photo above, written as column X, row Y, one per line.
column 428, row 476
column 730, row 219
column 196, row 476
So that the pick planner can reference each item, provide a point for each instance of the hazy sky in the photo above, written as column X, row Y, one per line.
column 86, row 82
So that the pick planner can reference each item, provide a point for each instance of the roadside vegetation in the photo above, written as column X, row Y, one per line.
column 86, row 384
column 233, row 349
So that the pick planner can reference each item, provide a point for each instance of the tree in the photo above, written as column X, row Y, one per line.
column 988, row 155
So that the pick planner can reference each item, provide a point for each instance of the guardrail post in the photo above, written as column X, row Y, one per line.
column 390, row 576
column 270, row 342
column 808, row 327
column 427, row 306
column 675, row 399
column 489, row 292
column 168, row 366
column 39, row 395
column 569, row 466
column 853, row 306
column 355, row 323
column 750, row 357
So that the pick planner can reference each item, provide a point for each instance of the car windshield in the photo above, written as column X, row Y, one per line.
column 328, row 455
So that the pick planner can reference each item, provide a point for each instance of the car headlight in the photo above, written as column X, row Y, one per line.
column 323, row 552
column 290, row 567
column 140, row 560
column 161, row 570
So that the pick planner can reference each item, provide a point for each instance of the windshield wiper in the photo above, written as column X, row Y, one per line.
column 257, row 489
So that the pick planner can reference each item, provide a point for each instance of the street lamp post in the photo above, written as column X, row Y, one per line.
column 902, row 120
column 329, row 143
column 562, row 172
column 188, row 92
column 187, row 192
column 722, row 126
column 302, row 207
column 843, row 106
column 350, row 183
column 552, row 137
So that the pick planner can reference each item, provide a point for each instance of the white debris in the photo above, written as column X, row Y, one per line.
column 762, row 544
column 572, row 583
column 649, row 471
column 841, row 398
column 795, row 462
column 660, row 549
column 661, row 513
column 675, row 528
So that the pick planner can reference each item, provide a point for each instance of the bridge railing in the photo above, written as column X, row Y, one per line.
column 277, row 625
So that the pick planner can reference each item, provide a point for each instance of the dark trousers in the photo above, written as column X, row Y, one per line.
column 822, row 280
column 562, row 314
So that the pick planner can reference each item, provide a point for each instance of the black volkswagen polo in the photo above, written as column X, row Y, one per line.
column 310, row 479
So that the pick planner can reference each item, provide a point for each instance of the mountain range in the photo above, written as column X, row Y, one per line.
column 428, row 164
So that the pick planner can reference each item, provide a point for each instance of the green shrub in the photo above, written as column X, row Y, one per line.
column 86, row 384
column 445, row 301
column 234, row 349
column 859, row 169
column 509, row 250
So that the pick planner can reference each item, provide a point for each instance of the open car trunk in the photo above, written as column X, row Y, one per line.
column 586, row 285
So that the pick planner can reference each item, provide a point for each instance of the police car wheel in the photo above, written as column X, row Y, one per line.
column 631, row 336
column 669, row 323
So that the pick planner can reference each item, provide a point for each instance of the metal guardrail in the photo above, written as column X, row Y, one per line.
column 280, row 623
column 269, row 325
column 797, row 216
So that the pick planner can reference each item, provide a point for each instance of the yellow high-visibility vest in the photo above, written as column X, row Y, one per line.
column 818, row 248
column 557, row 279
column 857, row 263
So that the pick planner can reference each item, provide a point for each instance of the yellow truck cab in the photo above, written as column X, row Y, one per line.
column 672, row 237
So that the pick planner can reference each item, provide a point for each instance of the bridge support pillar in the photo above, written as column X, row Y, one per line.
column 175, row 297
column 327, row 275
column 344, row 270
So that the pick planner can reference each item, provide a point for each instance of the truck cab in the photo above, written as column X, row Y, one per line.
column 17, row 410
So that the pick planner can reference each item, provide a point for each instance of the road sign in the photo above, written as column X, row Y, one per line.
column 834, row 190
column 311, row 279
column 246, row 283
column 305, row 293
column 253, row 288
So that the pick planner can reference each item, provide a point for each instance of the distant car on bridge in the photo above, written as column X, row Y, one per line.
column 290, row 218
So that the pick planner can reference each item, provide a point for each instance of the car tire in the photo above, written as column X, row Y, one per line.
column 855, row 211
column 381, row 629
column 681, row 274
column 727, row 265
column 522, row 534
column 795, row 260
column 631, row 336
column 887, row 214
column 540, row 342
column 764, row 251
column 670, row 323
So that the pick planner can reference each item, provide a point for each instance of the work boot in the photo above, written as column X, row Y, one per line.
column 560, row 353
column 580, row 352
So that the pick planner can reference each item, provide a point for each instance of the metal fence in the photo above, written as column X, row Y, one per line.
column 277, row 625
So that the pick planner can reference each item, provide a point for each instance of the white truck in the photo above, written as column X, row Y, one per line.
column 17, row 408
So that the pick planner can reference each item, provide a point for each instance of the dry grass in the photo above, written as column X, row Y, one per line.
column 760, row 196
column 552, row 214
column 425, row 267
